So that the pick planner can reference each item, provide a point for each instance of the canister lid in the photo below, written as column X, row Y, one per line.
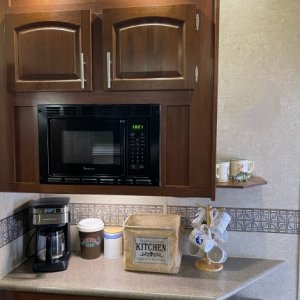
column 113, row 230
column 90, row 225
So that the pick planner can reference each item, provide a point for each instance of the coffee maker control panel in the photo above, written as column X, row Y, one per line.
column 50, row 212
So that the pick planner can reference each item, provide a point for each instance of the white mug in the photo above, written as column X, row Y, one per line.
column 202, row 238
column 217, row 255
column 221, row 238
column 194, row 250
column 200, row 217
column 219, row 221
column 222, row 171
column 241, row 165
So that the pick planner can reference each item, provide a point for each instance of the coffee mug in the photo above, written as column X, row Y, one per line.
column 200, row 218
column 241, row 165
column 222, row 171
column 219, row 221
column 194, row 250
column 221, row 238
column 202, row 238
column 217, row 255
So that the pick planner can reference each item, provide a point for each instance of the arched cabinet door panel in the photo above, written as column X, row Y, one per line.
column 149, row 48
column 49, row 51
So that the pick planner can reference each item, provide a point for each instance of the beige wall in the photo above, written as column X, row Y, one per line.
column 258, row 118
column 259, row 96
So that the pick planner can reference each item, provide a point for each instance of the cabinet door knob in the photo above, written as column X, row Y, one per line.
column 108, row 63
column 82, row 80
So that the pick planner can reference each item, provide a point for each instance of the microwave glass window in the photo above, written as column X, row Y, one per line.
column 86, row 147
column 89, row 147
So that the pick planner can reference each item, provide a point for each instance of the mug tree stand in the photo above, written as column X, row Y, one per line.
column 204, row 264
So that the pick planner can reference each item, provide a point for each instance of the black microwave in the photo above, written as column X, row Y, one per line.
column 99, row 144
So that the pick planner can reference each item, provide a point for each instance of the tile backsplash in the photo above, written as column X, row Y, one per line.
column 14, row 226
column 249, row 219
column 264, row 220
column 243, row 219
column 111, row 214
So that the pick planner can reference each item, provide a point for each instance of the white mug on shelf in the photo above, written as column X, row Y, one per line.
column 222, row 171
column 241, row 165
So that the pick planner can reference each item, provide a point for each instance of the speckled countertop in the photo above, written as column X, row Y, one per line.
column 104, row 277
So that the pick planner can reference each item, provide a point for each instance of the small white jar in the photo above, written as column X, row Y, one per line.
column 113, row 242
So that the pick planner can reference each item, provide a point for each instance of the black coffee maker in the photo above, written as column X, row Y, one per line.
column 52, row 246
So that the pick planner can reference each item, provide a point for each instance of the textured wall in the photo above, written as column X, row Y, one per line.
column 259, row 94
column 259, row 119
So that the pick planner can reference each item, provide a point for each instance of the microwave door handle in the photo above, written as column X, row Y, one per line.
column 123, row 146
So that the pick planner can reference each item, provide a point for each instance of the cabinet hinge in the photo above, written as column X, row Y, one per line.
column 197, row 22
column 196, row 74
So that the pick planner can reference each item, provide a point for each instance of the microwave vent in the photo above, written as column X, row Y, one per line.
column 52, row 111
column 141, row 110
column 88, row 110
column 69, row 110
column 96, row 110
column 105, row 110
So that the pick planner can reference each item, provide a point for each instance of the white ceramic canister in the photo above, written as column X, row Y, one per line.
column 113, row 242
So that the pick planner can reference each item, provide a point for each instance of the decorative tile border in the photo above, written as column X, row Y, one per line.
column 242, row 219
column 14, row 226
column 187, row 214
column 249, row 219
column 264, row 220
column 111, row 214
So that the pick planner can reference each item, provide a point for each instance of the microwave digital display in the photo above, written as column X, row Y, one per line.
column 99, row 144
column 137, row 127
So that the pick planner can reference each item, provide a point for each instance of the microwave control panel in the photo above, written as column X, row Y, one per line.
column 137, row 162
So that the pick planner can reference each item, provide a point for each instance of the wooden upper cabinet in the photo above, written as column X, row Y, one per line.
column 49, row 51
column 149, row 48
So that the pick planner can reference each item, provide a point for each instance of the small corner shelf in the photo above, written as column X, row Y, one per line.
column 253, row 181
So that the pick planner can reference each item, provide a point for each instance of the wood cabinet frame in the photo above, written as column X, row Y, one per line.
column 188, row 118
column 18, row 295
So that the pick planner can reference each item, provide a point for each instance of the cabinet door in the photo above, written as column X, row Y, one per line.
column 149, row 48
column 49, row 51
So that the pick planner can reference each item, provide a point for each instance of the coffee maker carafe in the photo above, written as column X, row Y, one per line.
column 52, row 247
